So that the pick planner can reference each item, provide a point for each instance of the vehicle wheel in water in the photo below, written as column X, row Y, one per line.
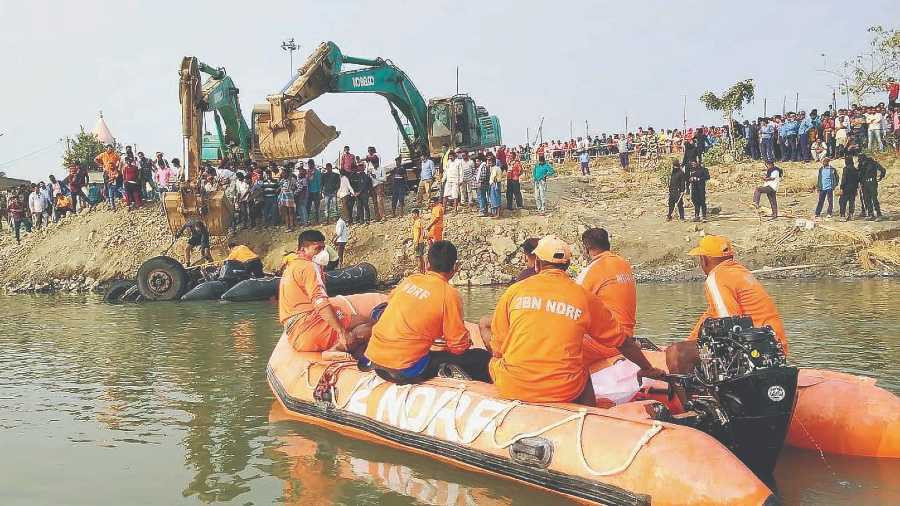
column 133, row 294
column 114, row 292
column 162, row 278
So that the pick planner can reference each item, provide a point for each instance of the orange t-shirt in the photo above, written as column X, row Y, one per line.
column 301, row 296
column 422, row 308
column 732, row 290
column 436, row 233
column 538, row 337
column 110, row 163
column 609, row 277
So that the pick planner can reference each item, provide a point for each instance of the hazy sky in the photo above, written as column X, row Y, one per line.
column 564, row 61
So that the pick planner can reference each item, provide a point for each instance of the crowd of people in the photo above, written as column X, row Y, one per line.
column 354, row 190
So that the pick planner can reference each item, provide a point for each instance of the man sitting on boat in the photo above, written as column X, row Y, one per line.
column 731, row 290
column 310, row 322
column 609, row 277
column 538, row 333
column 423, row 309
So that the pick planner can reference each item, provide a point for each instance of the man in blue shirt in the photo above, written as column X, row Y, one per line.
column 767, row 139
column 584, row 158
column 826, row 181
column 805, row 125
column 426, row 175
column 788, row 134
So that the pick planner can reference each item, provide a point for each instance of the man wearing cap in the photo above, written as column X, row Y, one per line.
column 538, row 333
column 609, row 277
column 731, row 290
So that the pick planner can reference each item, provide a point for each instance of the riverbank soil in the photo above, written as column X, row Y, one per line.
column 81, row 252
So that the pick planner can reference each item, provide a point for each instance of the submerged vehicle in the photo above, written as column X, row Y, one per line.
column 633, row 453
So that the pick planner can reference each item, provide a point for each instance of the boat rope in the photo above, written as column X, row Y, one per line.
column 497, row 419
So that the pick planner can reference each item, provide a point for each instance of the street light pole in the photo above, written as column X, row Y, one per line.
column 290, row 46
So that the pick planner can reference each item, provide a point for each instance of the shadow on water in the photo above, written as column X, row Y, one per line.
column 168, row 403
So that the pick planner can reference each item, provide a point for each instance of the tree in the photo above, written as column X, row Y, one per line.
column 869, row 72
column 82, row 150
column 732, row 100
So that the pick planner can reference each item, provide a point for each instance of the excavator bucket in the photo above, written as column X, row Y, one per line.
column 304, row 135
column 213, row 209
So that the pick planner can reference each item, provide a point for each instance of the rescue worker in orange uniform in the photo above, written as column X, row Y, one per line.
column 435, row 228
column 609, row 277
column 538, row 334
column 309, row 320
column 484, row 323
column 247, row 259
column 731, row 290
column 423, row 309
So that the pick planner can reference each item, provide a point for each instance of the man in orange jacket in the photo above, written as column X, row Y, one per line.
column 609, row 277
column 422, row 311
column 731, row 290
column 310, row 321
column 538, row 334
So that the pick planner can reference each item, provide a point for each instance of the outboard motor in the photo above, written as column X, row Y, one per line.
column 742, row 392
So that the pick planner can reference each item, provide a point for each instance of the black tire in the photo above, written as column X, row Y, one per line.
column 163, row 278
column 115, row 290
column 208, row 290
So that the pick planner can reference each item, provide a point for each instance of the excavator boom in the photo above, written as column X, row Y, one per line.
column 283, row 131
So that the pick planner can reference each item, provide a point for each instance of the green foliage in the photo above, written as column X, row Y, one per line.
column 732, row 100
column 869, row 72
column 723, row 152
column 663, row 169
column 82, row 150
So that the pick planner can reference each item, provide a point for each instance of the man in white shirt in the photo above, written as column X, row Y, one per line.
column 340, row 238
column 466, row 188
column 453, row 173
column 769, row 187
column 238, row 192
column 873, row 121
column 345, row 195
column 376, row 173
column 37, row 205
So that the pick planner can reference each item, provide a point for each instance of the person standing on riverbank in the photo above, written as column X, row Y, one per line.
column 340, row 238
column 16, row 211
column 826, row 182
column 36, row 205
column 513, row 185
column 398, row 187
column 849, row 188
column 426, row 175
column 111, row 163
column 771, row 180
column 870, row 173
column 677, row 185
column 331, row 181
column 539, row 175
column 697, row 178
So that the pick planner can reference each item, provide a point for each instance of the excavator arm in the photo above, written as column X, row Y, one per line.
column 286, row 132
column 219, row 95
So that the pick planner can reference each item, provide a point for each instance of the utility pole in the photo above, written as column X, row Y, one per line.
column 684, row 113
column 764, row 108
column 290, row 46
column 797, row 102
column 571, row 129
column 457, row 79
column 783, row 104
column 586, row 130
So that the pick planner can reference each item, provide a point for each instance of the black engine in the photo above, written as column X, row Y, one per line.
column 742, row 391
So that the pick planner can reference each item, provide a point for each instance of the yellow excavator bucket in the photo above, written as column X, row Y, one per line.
column 303, row 135
column 213, row 209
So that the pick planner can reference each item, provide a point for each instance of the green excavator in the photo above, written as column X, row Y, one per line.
column 428, row 129
column 281, row 131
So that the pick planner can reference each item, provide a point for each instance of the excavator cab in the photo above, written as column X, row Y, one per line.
column 452, row 122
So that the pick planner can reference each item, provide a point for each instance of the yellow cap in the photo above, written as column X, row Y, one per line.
column 554, row 250
column 714, row 246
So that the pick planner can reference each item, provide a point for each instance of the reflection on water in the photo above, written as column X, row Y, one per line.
column 167, row 404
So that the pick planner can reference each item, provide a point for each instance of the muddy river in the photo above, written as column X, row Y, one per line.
column 168, row 404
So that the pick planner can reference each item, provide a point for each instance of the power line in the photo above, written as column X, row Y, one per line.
column 35, row 152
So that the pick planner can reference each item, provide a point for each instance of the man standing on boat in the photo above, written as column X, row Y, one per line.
column 731, row 290
column 309, row 320
column 539, row 329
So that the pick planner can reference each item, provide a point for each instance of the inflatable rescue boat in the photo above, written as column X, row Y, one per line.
column 835, row 412
column 620, row 455
column 349, row 280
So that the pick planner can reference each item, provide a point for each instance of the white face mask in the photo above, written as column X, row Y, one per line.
column 321, row 258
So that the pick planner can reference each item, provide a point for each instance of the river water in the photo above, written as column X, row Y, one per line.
column 167, row 404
